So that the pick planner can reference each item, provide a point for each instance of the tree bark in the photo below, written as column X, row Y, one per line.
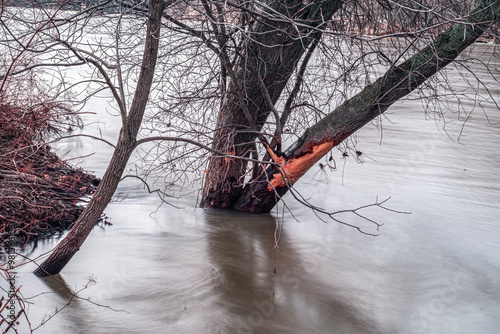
column 270, row 55
column 67, row 248
column 263, row 194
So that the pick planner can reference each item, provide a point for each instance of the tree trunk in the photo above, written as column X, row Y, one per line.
column 91, row 215
column 263, row 194
column 270, row 55
column 65, row 250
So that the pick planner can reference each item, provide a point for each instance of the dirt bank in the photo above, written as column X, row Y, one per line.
column 39, row 193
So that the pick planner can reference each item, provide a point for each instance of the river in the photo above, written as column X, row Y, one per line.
column 161, row 269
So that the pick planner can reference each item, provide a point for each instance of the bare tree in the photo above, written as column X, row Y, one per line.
column 278, row 44
column 400, row 80
column 131, row 122
column 228, row 83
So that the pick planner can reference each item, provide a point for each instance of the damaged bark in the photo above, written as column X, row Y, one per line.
column 267, row 58
column 262, row 194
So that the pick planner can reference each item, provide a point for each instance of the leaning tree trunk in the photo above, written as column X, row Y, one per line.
column 262, row 194
column 91, row 214
column 65, row 250
column 270, row 57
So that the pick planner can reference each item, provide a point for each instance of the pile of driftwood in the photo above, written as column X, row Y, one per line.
column 39, row 193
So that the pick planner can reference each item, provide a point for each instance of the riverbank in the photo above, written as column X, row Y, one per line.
column 39, row 193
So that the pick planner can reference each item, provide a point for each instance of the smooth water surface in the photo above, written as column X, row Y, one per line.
column 160, row 269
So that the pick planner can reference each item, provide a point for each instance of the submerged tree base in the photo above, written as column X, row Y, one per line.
column 38, row 191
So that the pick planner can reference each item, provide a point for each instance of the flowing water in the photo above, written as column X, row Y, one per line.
column 169, row 270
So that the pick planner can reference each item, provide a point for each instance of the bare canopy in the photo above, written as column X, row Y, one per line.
column 217, row 89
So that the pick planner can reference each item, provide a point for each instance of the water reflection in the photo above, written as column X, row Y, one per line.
column 75, row 316
column 259, row 301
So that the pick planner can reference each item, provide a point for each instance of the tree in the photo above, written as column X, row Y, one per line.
column 125, row 146
column 248, row 102
column 256, row 82
column 397, row 82
column 237, row 80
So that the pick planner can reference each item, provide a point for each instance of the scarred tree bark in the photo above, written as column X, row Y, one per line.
column 262, row 194
column 269, row 55
column 65, row 250
column 263, row 67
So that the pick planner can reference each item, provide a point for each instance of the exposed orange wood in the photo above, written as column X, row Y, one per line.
column 274, row 156
column 294, row 169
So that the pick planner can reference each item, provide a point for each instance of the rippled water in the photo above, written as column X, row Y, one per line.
column 436, row 270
